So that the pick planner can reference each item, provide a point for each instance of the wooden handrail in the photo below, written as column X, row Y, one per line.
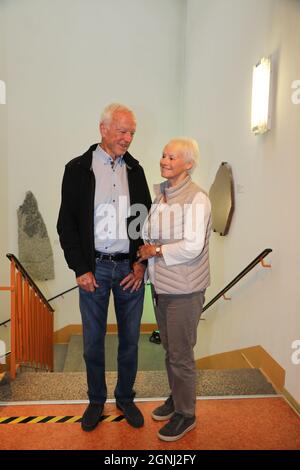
column 31, row 321
column 61, row 294
column 243, row 273
column 25, row 274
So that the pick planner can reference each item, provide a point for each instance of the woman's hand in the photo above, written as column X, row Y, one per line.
column 146, row 251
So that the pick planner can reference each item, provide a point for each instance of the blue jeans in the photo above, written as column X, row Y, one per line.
column 129, row 309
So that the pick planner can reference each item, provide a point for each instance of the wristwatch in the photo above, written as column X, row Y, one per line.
column 158, row 251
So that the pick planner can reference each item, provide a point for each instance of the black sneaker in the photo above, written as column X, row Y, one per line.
column 91, row 417
column 132, row 414
column 164, row 411
column 176, row 428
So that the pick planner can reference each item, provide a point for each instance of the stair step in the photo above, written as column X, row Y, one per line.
column 72, row 386
column 74, row 361
column 60, row 354
column 151, row 356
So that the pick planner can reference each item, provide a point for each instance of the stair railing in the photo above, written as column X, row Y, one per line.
column 63, row 293
column 258, row 259
column 31, row 321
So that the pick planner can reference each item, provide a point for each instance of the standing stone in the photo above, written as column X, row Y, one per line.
column 35, row 252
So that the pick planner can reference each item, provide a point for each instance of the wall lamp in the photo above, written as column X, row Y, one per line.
column 2, row 92
column 261, row 85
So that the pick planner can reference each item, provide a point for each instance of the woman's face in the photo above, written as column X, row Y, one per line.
column 173, row 165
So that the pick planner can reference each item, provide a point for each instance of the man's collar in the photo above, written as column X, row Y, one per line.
column 86, row 159
column 100, row 153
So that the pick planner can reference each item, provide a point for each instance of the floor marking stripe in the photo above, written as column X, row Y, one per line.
column 55, row 419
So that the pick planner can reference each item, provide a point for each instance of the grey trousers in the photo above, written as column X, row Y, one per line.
column 177, row 318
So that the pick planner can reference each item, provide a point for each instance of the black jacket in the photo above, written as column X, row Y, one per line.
column 75, row 224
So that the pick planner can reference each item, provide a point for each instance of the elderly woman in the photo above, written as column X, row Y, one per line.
column 176, row 234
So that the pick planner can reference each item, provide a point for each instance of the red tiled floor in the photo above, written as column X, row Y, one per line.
column 264, row 423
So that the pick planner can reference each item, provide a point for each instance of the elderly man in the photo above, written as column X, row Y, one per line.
column 99, row 191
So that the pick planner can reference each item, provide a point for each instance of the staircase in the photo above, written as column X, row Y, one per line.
column 68, row 381
column 69, row 357
column 32, row 344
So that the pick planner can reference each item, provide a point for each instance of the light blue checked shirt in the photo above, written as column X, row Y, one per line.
column 111, row 203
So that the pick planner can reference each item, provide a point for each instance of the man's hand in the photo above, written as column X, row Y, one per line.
column 87, row 282
column 135, row 278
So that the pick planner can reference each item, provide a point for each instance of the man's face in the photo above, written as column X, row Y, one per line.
column 117, row 136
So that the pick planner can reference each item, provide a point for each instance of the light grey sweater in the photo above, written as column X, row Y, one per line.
column 184, row 236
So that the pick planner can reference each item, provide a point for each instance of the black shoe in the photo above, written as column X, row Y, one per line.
column 91, row 417
column 132, row 414
column 177, row 427
column 165, row 411
column 155, row 337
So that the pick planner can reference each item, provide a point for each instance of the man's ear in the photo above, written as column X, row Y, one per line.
column 101, row 128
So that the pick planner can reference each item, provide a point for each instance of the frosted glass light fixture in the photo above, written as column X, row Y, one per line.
column 2, row 92
column 261, row 83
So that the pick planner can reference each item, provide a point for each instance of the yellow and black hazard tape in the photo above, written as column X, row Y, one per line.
column 54, row 419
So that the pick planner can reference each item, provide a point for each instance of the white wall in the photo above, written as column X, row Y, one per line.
column 67, row 59
column 224, row 40
column 4, row 263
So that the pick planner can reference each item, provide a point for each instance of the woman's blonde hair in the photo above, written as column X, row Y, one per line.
column 188, row 148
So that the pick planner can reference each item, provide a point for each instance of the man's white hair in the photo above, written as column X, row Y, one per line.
column 188, row 148
column 111, row 109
